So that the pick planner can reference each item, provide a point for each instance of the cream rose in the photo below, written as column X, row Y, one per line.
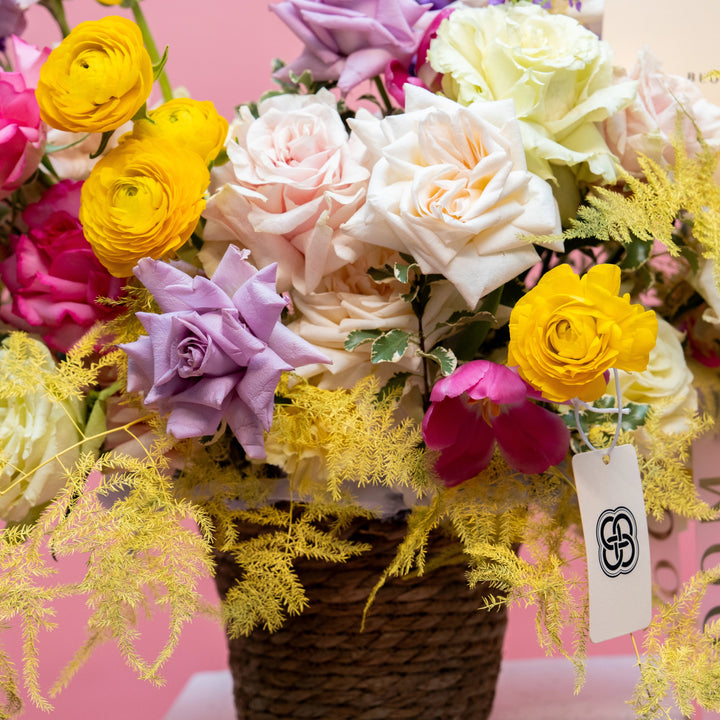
column 450, row 187
column 666, row 384
column 33, row 430
column 295, row 178
column 558, row 73
column 350, row 300
column 648, row 125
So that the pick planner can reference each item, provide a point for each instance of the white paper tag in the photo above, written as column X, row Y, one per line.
column 616, row 537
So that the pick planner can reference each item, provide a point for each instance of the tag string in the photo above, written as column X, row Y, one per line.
column 619, row 409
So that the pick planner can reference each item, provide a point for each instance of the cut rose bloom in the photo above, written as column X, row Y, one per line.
column 53, row 275
column 482, row 403
column 348, row 300
column 559, row 74
column 293, row 180
column 648, row 126
column 350, row 40
column 22, row 135
column 217, row 350
column 450, row 187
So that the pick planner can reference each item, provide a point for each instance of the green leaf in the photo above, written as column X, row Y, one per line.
column 381, row 274
column 394, row 385
column 106, row 137
column 390, row 346
column 359, row 337
column 443, row 357
column 691, row 256
column 159, row 66
column 402, row 272
column 636, row 254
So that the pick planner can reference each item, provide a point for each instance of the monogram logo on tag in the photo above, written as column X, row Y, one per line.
column 616, row 532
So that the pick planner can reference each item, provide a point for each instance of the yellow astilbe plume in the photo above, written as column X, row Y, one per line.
column 682, row 661
column 648, row 207
column 357, row 437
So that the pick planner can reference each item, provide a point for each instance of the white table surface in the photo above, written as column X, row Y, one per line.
column 527, row 690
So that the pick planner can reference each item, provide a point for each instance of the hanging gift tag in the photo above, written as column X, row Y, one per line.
column 616, row 537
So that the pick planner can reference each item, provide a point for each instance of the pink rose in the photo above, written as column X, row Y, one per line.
column 22, row 135
column 351, row 40
column 27, row 59
column 648, row 125
column 294, row 179
column 52, row 274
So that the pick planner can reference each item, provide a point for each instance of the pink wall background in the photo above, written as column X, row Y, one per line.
column 220, row 50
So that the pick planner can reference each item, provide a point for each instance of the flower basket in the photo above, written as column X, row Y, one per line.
column 426, row 651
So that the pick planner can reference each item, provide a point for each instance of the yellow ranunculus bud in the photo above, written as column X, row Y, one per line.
column 143, row 199
column 568, row 331
column 97, row 78
column 195, row 124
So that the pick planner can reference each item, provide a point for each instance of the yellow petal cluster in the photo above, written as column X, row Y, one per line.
column 143, row 199
column 97, row 78
column 195, row 124
column 567, row 331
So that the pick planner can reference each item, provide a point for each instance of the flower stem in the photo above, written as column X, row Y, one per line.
column 383, row 95
column 152, row 49
column 56, row 9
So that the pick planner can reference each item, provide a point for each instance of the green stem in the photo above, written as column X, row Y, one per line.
column 383, row 95
column 56, row 9
column 152, row 49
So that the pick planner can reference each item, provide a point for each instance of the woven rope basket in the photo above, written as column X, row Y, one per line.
column 426, row 653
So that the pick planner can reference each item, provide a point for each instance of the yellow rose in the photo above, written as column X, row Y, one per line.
column 567, row 331
column 192, row 123
column 97, row 78
column 143, row 199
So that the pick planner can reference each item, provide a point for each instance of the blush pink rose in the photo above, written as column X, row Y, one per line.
column 52, row 275
column 351, row 40
column 22, row 135
column 648, row 125
column 293, row 180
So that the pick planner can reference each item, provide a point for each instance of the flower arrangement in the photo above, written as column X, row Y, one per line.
column 343, row 305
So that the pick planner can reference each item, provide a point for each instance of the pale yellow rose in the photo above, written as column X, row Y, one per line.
column 33, row 431
column 97, row 78
column 558, row 73
column 666, row 384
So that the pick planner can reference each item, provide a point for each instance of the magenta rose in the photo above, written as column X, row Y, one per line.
column 22, row 135
column 351, row 40
column 217, row 350
column 482, row 404
column 53, row 277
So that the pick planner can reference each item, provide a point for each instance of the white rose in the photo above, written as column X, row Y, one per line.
column 705, row 282
column 294, row 179
column 33, row 430
column 350, row 300
column 648, row 125
column 666, row 384
column 449, row 186
column 558, row 73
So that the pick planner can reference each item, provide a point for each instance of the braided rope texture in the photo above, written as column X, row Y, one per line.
column 427, row 652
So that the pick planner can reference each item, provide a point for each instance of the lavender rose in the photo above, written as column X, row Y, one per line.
column 350, row 40
column 217, row 350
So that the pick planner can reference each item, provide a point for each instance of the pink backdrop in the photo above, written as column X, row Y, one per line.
column 220, row 50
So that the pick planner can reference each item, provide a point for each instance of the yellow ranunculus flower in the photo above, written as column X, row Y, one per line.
column 143, row 199
column 97, row 78
column 195, row 124
column 567, row 331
